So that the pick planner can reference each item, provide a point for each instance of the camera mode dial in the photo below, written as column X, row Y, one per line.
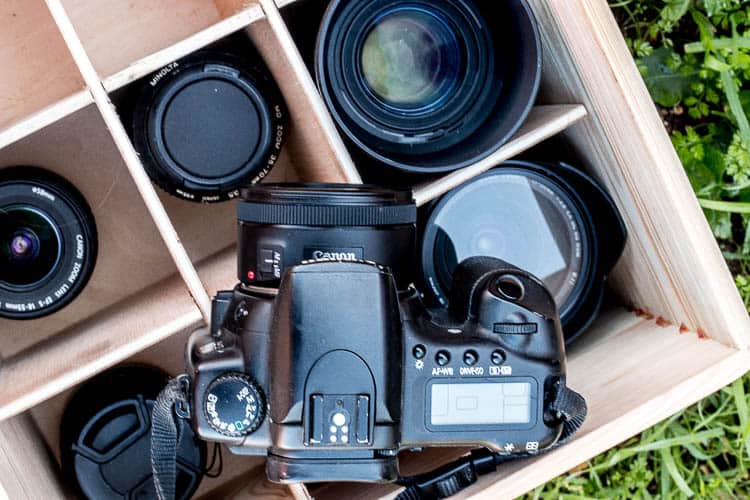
column 234, row 405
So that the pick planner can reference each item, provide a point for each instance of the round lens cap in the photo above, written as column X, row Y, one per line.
column 212, row 128
column 207, row 125
column 106, row 438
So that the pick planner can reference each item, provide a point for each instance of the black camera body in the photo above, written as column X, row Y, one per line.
column 336, row 373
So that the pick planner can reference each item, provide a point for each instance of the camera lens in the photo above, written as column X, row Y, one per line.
column 47, row 243
column 209, row 124
column 537, row 217
column 411, row 59
column 282, row 225
column 29, row 246
column 428, row 86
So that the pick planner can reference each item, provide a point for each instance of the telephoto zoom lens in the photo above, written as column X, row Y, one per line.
column 207, row 125
column 551, row 220
column 282, row 225
column 429, row 86
column 47, row 243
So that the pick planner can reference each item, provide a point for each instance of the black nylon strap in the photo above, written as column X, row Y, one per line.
column 165, row 437
column 568, row 406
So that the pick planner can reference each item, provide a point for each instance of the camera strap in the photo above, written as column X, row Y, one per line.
column 568, row 407
column 171, row 404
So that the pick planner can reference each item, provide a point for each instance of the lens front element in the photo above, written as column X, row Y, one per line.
column 29, row 246
column 518, row 217
column 411, row 59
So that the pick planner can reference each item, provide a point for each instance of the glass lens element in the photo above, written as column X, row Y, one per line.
column 29, row 246
column 411, row 58
column 517, row 219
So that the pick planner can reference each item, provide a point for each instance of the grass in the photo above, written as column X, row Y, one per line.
column 695, row 58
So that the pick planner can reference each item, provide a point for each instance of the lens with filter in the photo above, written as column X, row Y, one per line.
column 105, row 438
column 209, row 124
column 428, row 86
column 551, row 220
column 47, row 243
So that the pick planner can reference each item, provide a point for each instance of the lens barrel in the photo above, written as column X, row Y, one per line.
column 281, row 225
column 209, row 124
column 47, row 243
column 428, row 86
column 549, row 219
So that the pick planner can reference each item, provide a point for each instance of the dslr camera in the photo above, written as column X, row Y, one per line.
column 336, row 369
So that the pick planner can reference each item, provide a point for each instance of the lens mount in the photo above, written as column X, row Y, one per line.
column 207, row 125
column 428, row 86
column 47, row 243
column 282, row 225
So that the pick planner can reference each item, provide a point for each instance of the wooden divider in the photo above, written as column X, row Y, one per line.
column 129, row 155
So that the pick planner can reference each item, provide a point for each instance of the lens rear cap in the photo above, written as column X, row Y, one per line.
column 208, row 125
column 211, row 128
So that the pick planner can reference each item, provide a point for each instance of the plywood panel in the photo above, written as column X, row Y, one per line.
column 37, row 69
column 672, row 265
column 117, row 33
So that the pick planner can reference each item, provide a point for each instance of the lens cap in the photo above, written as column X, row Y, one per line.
column 106, row 438
column 208, row 125
column 539, row 218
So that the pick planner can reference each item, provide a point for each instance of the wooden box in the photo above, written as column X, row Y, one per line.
column 679, row 333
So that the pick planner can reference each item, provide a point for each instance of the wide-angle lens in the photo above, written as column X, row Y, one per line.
column 520, row 218
column 411, row 58
column 549, row 219
column 29, row 246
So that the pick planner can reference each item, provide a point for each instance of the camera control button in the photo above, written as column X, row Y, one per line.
column 471, row 358
column 442, row 358
column 497, row 357
column 267, row 260
column 419, row 351
column 234, row 405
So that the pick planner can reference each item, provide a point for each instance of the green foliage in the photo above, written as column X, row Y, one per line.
column 694, row 56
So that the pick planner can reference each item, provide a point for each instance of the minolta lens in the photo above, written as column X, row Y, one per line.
column 551, row 220
column 47, row 243
column 209, row 124
column 428, row 86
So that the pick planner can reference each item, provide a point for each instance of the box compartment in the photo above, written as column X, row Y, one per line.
column 38, row 70
column 110, row 313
